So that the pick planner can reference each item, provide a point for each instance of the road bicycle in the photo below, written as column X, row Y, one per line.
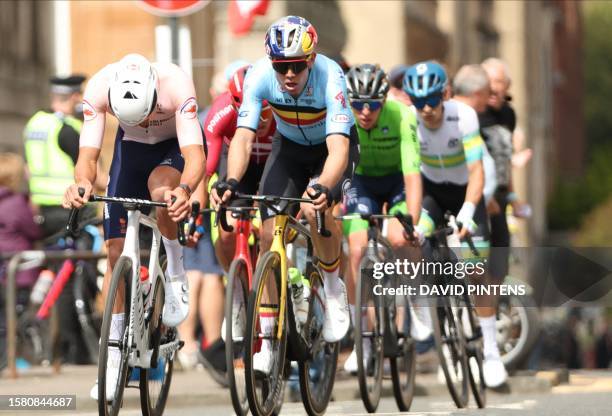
column 238, row 286
column 146, row 343
column 382, row 321
column 456, row 329
column 289, row 341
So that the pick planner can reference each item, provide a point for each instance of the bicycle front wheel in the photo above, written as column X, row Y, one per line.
column 403, row 365
column 114, row 351
column 265, row 353
column 155, row 381
column 452, row 350
column 369, row 337
column 235, row 323
column 317, row 375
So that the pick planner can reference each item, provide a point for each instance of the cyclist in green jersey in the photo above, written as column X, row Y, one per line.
column 388, row 169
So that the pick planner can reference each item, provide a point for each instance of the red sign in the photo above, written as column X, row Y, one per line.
column 172, row 8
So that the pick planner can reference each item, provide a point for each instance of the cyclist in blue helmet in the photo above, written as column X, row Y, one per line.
column 453, row 180
column 314, row 153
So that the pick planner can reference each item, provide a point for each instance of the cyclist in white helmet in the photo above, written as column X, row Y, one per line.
column 158, row 154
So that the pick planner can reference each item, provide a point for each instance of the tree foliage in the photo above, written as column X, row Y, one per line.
column 571, row 201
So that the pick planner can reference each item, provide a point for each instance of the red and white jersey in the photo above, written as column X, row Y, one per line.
column 175, row 115
column 220, row 126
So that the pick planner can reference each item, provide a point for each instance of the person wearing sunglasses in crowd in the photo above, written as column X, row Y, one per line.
column 453, row 179
column 388, row 172
column 314, row 151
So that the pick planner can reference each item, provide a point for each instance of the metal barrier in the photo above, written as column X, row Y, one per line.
column 22, row 261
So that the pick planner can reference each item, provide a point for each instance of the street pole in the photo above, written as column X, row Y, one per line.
column 173, row 22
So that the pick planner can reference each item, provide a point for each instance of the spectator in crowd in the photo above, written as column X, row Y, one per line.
column 18, row 231
column 51, row 140
column 396, row 92
column 471, row 86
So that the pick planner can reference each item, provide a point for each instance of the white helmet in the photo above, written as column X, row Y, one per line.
column 132, row 94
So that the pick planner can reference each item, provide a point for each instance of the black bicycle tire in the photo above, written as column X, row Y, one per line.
column 316, row 406
column 460, row 401
column 89, row 333
column 122, row 270
column 145, row 396
column 266, row 262
column 240, row 404
column 403, row 393
column 369, row 397
column 475, row 350
column 530, row 325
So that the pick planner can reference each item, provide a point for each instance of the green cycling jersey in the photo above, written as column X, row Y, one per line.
column 392, row 145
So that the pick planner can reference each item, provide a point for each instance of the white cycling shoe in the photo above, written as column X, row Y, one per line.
column 176, row 304
column 420, row 323
column 337, row 315
column 494, row 372
column 238, row 322
column 112, row 374
column 351, row 364
column 262, row 361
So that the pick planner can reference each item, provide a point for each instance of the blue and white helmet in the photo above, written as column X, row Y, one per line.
column 290, row 37
column 424, row 79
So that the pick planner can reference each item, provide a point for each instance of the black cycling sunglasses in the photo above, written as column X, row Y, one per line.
column 282, row 67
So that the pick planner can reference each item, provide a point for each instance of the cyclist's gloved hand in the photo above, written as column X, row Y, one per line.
column 223, row 191
column 464, row 217
column 419, row 234
column 321, row 195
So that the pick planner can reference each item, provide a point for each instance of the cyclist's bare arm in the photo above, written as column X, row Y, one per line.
column 337, row 159
column 239, row 153
column 237, row 160
column 475, row 184
column 414, row 195
column 84, row 177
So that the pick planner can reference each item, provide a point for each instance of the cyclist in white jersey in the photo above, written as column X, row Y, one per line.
column 158, row 155
column 453, row 179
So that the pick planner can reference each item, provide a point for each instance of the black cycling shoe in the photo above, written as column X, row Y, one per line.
column 213, row 359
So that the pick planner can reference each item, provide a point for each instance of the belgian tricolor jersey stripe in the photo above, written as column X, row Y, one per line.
column 298, row 115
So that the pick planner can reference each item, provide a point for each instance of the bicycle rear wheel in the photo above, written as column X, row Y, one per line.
column 403, row 365
column 85, row 293
column 263, row 390
column 122, row 273
column 235, row 346
column 155, row 381
column 369, row 337
column 451, row 347
column 317, row 375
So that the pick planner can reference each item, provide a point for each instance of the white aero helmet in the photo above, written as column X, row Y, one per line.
column 132, row 94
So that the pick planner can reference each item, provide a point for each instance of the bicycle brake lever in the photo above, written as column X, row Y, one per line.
column 71, row 227
column 222, row 219
column 180, row 226
column 193, row 218
column 321, row 229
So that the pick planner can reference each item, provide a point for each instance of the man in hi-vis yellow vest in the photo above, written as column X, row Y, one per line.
column 51, row 139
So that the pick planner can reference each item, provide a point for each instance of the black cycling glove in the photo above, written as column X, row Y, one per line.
column 226, row 185
column 321, row 189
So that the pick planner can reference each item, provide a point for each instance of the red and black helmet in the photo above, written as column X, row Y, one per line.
column 236, row 84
